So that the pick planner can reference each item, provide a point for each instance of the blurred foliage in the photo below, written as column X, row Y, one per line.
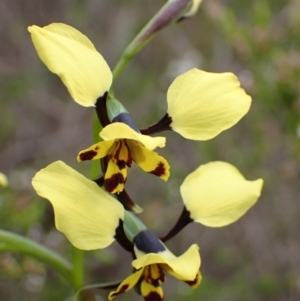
column 257, row 258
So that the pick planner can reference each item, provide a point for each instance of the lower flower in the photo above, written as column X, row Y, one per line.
column 150, row 268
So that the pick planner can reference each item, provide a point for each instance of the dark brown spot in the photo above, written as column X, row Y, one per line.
column 121, row 164
column 121, row 290
column 111, row 183
column 193, row 282
column 88, row 155
column 160, row 170
column 153, row 296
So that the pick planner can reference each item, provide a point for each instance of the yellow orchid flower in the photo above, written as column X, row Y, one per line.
column 85, row 213
column 153, row 259
column 72, row 56
column 3, row 180
column 91, row 218
column 123, row 145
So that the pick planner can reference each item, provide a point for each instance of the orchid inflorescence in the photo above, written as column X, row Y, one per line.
column 94, row 213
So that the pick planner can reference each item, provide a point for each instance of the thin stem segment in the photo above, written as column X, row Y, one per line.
column 169, row 13
column 78, row 269
column 183, row 221
column 17, row 243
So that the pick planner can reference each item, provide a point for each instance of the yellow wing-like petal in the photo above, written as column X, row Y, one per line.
column 96, row 151
column 72, row 56
column 86, row 214
column 3, row 180
column 184, row 267
column 203, row 104
column 149, row 161
column 127, row 284
column 216, row 194
column 118, row 130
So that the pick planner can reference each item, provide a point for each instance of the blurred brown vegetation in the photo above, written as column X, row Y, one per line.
column 257, row 258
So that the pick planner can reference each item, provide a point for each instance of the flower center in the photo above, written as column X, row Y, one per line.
column 154, row 274
column 120, row 154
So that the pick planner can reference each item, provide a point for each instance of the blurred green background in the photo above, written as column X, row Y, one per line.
column 258, row 257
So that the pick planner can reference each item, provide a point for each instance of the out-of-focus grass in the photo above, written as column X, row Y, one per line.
column 257, row 258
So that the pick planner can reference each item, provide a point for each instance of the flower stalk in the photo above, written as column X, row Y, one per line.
column 17, row 243
column 169, row 13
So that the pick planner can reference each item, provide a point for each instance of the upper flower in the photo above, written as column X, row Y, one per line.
column 153, row 259
column 123, row 145
column 200, row 104
column 72, row 56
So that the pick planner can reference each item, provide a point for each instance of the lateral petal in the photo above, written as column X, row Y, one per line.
column 127, row 284
column 203, row 104
column 216, row 194
column 85, row 213
column 149, row 161
column 72, row 56
column 184, row 267
column 196, row 282
column 118, row 130
column 96, row 151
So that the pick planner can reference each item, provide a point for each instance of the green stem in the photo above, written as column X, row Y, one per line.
column 17, row 243
column 169, row 13
column 78, row 269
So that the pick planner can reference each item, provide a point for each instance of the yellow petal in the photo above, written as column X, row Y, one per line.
column 118, row 130
column 127, row 284
column 151, row 292
column 72, row 56
column 115, row 178
column 86, row 214
column 3, row 180
column 149, row 161
column 184, row 267
column 216, row 194
column 203, row 104
column 196, row 282
column 96, row 151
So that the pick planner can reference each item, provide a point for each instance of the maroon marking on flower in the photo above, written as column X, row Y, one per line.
column 122, row 290
column 111, row 183
column 129, row 159
column 160, row 170
column 153, row 296
column 118, row 150
column 122, row 163
column 88, row 155
column 149, row 277
column 193, row 282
